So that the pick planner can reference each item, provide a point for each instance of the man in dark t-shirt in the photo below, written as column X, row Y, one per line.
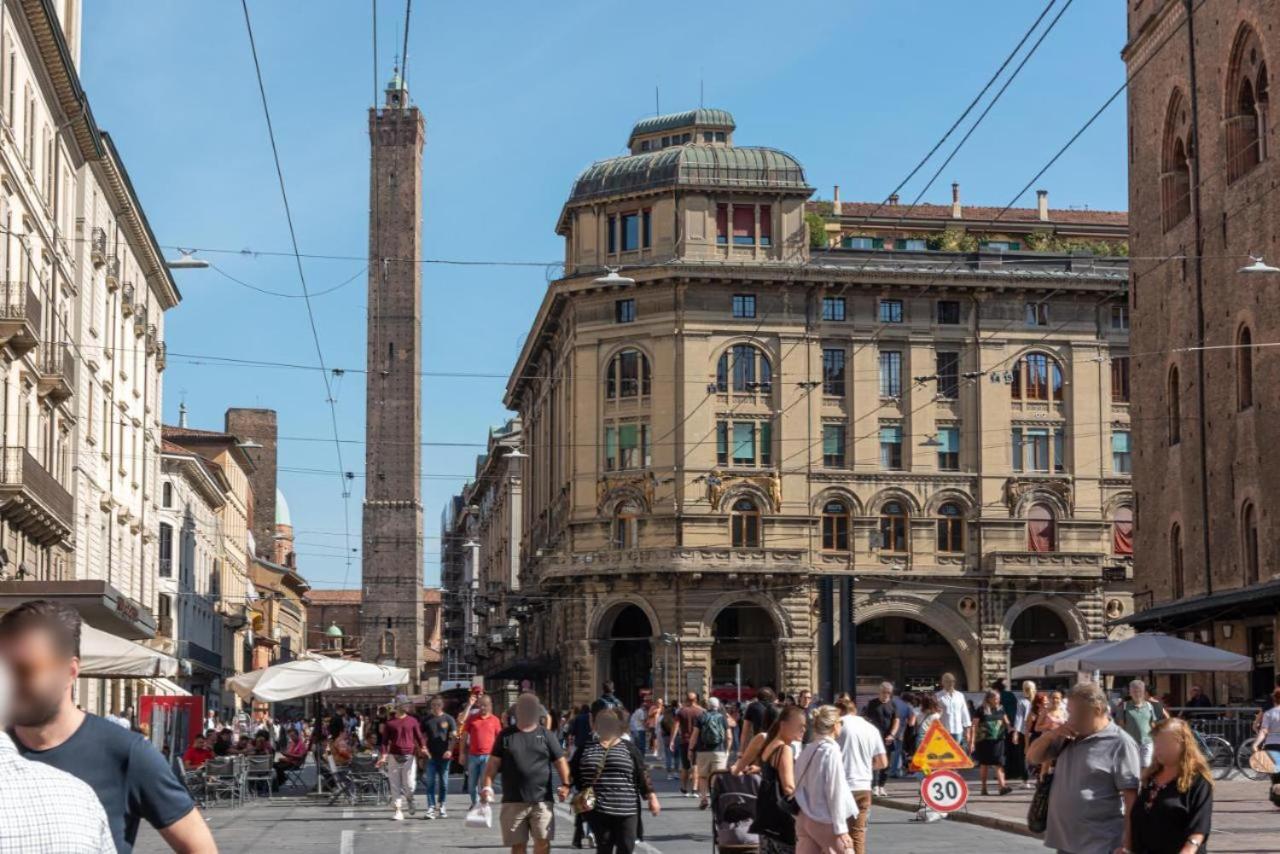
column 40, row 642
column 441, row 732
column 522, row 758
column 759, row 716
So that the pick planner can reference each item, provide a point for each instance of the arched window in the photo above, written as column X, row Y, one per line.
column 387, row 646
column 1037, row 376
column 1122, row 531
column 893, row 527
column 835, row 526
column 1249, row 543
column 1042, row 530
column 166, row 494
column 1244, row 368
column 950, row 528
column 625, row 526
column 744, row 524
column 1246, row 105
column 744, row 368
column 1175, row 172
column 1174, row 403
column 1177, row 569
column 628, row 375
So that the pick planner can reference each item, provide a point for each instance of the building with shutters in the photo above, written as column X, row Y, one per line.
column 736, row 422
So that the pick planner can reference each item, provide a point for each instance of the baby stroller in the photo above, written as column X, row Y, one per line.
column 733, row 808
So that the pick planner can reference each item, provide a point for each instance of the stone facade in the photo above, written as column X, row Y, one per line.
column 258, row 427
column 392, row 531
column 1202, row 166
column 720, row 434
column 344, row 610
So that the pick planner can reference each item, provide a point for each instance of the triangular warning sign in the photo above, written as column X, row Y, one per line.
column 938, row 750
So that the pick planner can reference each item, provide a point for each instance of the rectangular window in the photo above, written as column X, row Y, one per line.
column 1037, row 449
column 766, row 225
column 1121, row 456
column 624, row 311
column 1015, row 444
column 1037, row 314
column 1001, row 245
column 949, row 452
column 1119, row 379
column 833, row 308
column 911, row 244
column 891, row 373
column 646, row 236
column 949, row 375
column 613, row 234
column 1120, row 317
column 766, row 443
column 626, row 446
column 722, row 443
column 833, row 445
column 720, row 137
column 1059, row 450
column 891, row 448
column 833, row 372
column 722, row 224
column 744, row 443
column 890, row 311
column 744, row 305
column 630, row 232
column 744, row 225
column 859, row 242
column 948, row 312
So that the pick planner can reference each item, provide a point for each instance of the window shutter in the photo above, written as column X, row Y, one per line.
column 627, row 436
column 877, row 243
column 722, row 440
column 610, row 447
column 1120, row 442
column 766, row 443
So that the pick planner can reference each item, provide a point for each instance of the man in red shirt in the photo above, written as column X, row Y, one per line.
column 478, row 736
column 402, row 741
column 197, row 754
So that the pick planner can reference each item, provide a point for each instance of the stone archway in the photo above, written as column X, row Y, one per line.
column 744, row 640
column 625, row 635
column 926, row 640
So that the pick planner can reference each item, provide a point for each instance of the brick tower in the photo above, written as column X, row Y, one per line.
column 391, row 623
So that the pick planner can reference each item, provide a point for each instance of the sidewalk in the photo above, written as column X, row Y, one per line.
column 1243, row 818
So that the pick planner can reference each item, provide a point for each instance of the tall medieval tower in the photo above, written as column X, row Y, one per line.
column 391, row 623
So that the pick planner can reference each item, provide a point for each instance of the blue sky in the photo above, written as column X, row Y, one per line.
column 519, row 97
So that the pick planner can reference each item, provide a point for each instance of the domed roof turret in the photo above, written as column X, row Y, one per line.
column 333, row 631
column 282, row 510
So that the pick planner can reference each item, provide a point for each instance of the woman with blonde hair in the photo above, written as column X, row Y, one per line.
column 1174, row 808
column 822, row 791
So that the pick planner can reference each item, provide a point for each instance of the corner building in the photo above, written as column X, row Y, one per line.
column 1203, row 171
column 720, row 435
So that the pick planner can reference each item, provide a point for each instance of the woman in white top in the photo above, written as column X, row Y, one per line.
column 1269, row 733
column 822, row 792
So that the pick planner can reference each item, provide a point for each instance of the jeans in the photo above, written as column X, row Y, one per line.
column 437, row 781
column 638, row 739
column 475, row 775
column 668, row 755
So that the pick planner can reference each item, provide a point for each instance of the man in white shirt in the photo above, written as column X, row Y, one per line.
column 954, row 710
column 862, row 751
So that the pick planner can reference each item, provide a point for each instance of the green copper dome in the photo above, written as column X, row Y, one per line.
column 703, row 117
column 333, row 631
column 712, row 166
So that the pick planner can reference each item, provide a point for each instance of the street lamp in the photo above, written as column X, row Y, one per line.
column 612, row 278
column 1258, row 266
column 517, row 454
column 931, row 441
column 186, row 260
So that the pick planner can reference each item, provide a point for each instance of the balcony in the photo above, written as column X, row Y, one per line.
column 113, row 274
column 126, row 299
column 1028, row 564
column 19, row 316
column 31, row 499
column 57, row 372
column 98, row 246
column 164, row 626
column 201, row 656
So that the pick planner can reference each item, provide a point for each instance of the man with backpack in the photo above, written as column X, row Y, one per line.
column 709, row 746
column 1137, row 715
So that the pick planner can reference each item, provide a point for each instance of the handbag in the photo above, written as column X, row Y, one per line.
column 1038, row 812
column 1261, row 761
column 585, row 800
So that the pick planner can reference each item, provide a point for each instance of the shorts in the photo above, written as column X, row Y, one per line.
column 521, row 821
column 682, row 751
column 711, row 760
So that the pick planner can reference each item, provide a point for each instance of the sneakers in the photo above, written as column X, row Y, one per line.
column 398, row 816
column 441, row 812
column 430, row 813
column 1004, row 790
column 703, row 804
column 411, row 809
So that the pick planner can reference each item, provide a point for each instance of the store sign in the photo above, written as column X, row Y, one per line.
column 127, row 608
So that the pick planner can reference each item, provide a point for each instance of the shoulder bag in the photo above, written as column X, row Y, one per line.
column 1038, row 812
column 585, row 800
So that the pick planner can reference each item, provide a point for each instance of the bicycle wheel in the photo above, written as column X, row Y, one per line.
column 1242, row 762
column 1220, row 756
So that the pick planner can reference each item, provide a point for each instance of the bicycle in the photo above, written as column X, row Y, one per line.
column 1218, row 752
column 1243, row 754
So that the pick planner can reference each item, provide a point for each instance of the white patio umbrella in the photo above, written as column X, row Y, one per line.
column 314, row 674
column 104, row 655
column 1042, row 667
column 1154, row 652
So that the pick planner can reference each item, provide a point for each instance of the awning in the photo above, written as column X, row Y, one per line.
column 1155, row 652
column 1042, row 667
column 314, row 674
column 1255, row 600
column 104, row 655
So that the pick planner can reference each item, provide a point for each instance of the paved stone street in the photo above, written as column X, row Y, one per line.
column 290, row 824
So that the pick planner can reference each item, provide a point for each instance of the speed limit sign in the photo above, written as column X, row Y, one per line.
column 944, row 791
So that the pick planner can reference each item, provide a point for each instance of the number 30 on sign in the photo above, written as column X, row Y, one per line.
column 944, row 791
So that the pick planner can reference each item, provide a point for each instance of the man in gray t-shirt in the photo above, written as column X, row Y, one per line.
column 1095, row 780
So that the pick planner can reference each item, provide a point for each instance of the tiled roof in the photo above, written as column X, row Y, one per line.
column 430, row 596
column 983, row 212
column 702, row 117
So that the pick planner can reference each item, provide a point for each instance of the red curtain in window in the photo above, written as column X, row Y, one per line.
column 722, row 223
column 744, row 224
column 1122, row 532
column 1040, row 535
column 766, row 224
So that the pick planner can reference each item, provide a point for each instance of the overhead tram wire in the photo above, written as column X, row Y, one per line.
column 302, row 277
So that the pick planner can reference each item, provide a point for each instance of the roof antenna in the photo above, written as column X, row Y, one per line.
column 657, row 106
column 701, row 86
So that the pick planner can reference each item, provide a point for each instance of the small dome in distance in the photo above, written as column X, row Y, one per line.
column 333, row 631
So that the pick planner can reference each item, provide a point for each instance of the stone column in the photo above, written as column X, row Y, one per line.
column 695, row 665
column 796, row 665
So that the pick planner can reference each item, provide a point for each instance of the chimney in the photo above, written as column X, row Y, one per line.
column 893, row 199
column 835, row 200
column 1042, row 204
column 956, row 211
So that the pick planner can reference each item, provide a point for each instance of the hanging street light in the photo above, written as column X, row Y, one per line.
column 1258, row 266
column 613, row 278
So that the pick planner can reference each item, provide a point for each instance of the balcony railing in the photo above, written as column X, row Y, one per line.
column 113, row 273
column 200, row 655
column 57, row 371
column 32, row 498
column 98, row 246
column 19, row 316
